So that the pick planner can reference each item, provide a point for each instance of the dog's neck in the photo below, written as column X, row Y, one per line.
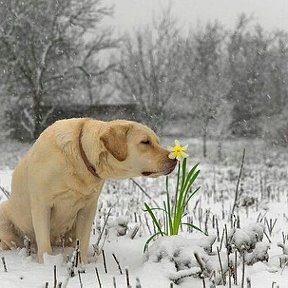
column 89, row 166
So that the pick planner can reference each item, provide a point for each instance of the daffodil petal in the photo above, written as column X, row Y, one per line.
column 172, row 155
column 170, row 148
column 185, row 147
column 177, row 151
column 184, row 155
column 177, row 143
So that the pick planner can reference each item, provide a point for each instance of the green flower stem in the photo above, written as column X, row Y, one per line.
column 177, row 187
column 173, row 211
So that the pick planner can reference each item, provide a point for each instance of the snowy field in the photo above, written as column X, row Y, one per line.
column 261, row 240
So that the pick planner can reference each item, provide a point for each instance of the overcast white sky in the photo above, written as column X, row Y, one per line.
column 271, row 14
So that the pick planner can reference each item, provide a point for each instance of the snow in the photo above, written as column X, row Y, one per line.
column 172, row 259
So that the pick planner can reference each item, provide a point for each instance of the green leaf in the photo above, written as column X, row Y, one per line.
column 155, row 208
column 155, row 221
column 191, row 172
column 169, row 208
column 149, row 240
column 183, row 172
column 192, row 180
column 195, row 227
column 191, row 195
column 173, row 212
column 177, row 189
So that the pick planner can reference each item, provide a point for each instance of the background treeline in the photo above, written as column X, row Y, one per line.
column 214, row 82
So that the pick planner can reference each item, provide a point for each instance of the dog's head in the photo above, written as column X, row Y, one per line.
column 132, row 150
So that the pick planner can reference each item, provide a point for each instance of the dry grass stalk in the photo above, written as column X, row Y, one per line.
column 118, row 264
column 221, row 267
column 243, row 269
column 127, row 277
column 98, row 277
column 201, row 265
column 104, row 261
column 4, row 264
column 96, row 245
column 237, row 185
column 55, row 276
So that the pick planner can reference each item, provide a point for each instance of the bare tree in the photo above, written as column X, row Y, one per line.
column 221, row 125
column 204, row 77
column 258, row 71
column 150, row 69
column 50, row 49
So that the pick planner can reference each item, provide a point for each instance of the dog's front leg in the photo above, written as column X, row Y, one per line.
column 41, row 223
column 84, row 221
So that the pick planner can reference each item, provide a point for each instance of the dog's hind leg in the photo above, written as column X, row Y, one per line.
column 9, row 237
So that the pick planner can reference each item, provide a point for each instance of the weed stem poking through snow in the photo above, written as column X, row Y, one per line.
column 237, row 185
column 4, row 264
column 118, row 264
column 98, row 277
column 144, row 192
column 55, row 276
column 104, row 261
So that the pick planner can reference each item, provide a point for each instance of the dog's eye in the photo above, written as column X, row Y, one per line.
column 146, row 142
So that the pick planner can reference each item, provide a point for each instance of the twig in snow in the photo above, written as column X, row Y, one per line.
column 217, row 229
column 74, row 260
column 248, row 280
column 144, row 192
column 238, row 182
column 5, row 192
column 147, row 224
column 80, row 280
column 118, row 264
column 199, row 261
column 77, row 252
column 228, row 252
column 243, row 268
column 222, row 239
column 134, row 231
column 104, row 261
column 285, row 264
column 221, row 267
column 4, row 264
column 206, row 221
column 127, row 277
column 98, row 277
column 27, row 244
column 213, row 273
column 138, row 284
column 284, row 237
column 96, row 245
column 114, row 282
column 270, row 225
column 235, row 268
column 267, row 237
column 55, row 276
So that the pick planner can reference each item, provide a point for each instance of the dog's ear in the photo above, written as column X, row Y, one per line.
column 114, row 139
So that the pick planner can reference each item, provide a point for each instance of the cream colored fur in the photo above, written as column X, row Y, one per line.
column 54, row 195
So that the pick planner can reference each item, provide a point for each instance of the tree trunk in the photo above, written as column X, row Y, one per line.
column 37, row 116
column 205, row 142
column 219, row 150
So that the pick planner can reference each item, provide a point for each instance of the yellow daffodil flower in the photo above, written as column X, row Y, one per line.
column 177, row 151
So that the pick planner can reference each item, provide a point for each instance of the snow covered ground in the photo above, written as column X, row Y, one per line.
column 263, row 207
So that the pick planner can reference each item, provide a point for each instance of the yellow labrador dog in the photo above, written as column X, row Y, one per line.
column 56, row 185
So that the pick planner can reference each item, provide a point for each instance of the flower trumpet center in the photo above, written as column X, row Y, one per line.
column 177, row 151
